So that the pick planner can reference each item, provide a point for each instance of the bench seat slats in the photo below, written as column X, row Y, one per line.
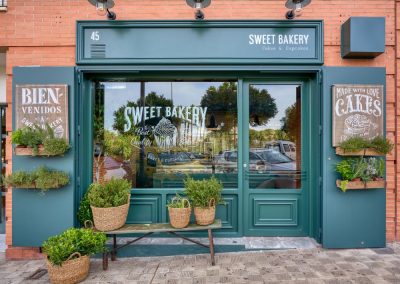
column 161, row 227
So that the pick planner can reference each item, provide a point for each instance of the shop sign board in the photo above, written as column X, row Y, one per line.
column 211, row 42
column 357, row 110
column 42, row 105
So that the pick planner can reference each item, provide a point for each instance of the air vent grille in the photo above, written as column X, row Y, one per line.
column 98, row 50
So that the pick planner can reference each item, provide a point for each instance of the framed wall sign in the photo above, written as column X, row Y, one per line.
column 357, row 110
column 42, row 105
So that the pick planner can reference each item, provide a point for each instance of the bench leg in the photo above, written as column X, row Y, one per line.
column 105, row 260
column 211, row 240
column 114, row 250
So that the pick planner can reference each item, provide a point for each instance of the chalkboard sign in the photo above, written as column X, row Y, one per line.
column 42, row 105
column 357, row 110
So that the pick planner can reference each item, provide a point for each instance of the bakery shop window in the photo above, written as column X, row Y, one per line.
column 157, row 133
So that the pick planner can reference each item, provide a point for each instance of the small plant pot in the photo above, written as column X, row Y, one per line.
column 179, row 217
column 28, row 151
column 71, row 271
column 111, row 218
column 363, row 185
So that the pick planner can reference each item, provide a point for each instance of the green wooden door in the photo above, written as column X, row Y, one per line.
column 275, row 152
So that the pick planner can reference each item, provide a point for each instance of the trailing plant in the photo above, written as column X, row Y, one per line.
column 47, row 179
column 202, row 192
column 34, row 136
column 112, row 193
column 85, row 241
column 84, row 212
column 178, row 202
column 20, row 179
column 354, row 144
column 42, row 178
column 381, row 144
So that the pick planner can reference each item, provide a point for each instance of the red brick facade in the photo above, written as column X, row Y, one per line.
column 43, row 33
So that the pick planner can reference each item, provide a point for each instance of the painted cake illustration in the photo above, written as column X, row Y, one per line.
column 359, row 125
column 165, row 134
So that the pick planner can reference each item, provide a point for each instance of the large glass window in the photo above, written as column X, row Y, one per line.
column 275, row 136
column 156, row 133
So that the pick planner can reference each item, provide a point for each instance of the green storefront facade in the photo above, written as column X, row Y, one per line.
column 267, row 56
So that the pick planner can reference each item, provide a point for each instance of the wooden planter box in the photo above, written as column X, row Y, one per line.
column 27, row 151
column 363, row 185
column 29, row 186
column 365, row 152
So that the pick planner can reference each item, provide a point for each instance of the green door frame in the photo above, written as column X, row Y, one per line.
column 86, row 76
column 302, row 196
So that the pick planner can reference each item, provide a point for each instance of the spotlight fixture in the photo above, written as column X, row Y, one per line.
column 296, row 8
column 198, row 5
column 102, row 8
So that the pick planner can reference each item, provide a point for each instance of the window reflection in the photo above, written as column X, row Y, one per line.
column 156, row 133
column 275, row 136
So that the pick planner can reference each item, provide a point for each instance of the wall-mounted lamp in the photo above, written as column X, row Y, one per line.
column 296, row 8
column 199, row 5
column 102, row 8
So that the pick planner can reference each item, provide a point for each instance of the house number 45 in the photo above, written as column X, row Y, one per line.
column 95, row 36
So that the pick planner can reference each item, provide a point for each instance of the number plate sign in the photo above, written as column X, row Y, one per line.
column 357, row 111
column 41, row 105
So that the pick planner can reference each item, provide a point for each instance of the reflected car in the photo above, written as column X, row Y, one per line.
column 227, row 162
column 275, row 160
column 287, row 148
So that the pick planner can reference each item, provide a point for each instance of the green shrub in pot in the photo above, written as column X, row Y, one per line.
column 109, row 202
column 205, row 195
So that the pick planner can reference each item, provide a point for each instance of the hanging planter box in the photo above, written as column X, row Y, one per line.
column 363, row 185
column 28, row 151
column 23, row 186
column 365, row 152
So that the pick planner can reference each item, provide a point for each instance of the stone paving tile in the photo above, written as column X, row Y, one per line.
column 364, row 266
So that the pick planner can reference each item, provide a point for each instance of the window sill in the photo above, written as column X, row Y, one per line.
column 3, row 9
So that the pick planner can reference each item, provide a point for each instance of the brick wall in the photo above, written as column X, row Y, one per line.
column 43, row 33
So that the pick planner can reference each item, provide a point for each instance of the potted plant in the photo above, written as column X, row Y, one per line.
column 36, row 141
column 68, row 254
column 361, row 173
column 42, row 178
column 359, row 146
column 179, row 211
column 109, row 203
column 84, row 213
column 204, row 195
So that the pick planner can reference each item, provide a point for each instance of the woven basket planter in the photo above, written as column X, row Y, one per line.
column 205, row 216
column 363, row 185
column 71, row 271
column 179, row 217
column 364, row 152
column 111, row 218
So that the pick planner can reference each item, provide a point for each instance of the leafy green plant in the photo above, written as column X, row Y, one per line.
column 112, row 193
column 201, row 192
column 178, row 202
column 85, row 241
column 365, row 169
column 34, row 136
column 381, row 144
column 354, row 144
column 84, row 212
column 42, row 178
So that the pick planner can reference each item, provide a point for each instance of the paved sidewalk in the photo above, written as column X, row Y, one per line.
column 282, row 266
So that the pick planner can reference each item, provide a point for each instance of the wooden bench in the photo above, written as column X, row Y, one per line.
column 148, row 229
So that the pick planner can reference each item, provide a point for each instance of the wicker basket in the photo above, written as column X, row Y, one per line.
column 205, row 216
column 111, row 218
column 71, row 271
column 180, row 217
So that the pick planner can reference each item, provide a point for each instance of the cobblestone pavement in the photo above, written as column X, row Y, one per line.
column 283, row 266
